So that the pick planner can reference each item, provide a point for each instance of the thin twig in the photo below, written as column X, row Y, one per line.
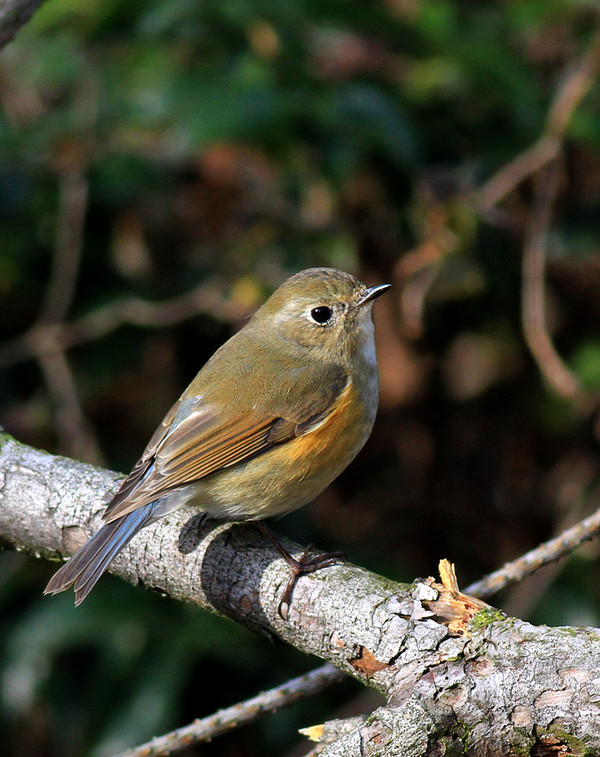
column 576, row 84
column 544, row 154
column 76, row 437
column 72, row 206
column 206, row 729
column 413, row 297
column 523, row 566
column 205, row 298
column 417, row 270
column 75, row 434
column 13, row 15
column 517, row 170
column 533, row 311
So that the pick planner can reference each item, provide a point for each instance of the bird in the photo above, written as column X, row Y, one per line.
column 271, row 419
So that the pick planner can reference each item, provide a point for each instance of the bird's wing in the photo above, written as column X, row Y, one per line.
column 207, row 441
column 142, row 466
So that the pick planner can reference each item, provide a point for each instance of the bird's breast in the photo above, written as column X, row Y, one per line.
column 293, row 473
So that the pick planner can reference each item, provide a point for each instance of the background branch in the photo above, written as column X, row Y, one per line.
column 533, row 309
column 207, row 297
column 13, row 15
column 76, row 436
column 68, row 245
column 206, row 729
column 577, row 82
column 550, row 551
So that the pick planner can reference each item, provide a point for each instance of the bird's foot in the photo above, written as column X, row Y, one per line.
column 302, row 566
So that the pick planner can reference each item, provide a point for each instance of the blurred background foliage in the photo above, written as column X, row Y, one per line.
column 163, row 166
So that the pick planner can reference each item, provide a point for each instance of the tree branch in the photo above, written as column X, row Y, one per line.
column 204, row 298
column 577, row 82
column 533, row 311
column 13, row 15
column 206, row 729
column 451, row 672
column 550, row 551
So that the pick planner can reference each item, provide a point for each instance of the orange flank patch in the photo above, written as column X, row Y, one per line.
column 337, row 434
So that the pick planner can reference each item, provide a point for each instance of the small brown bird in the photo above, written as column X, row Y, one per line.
column 270, row 420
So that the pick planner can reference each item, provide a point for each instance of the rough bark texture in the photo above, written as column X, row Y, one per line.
column 458, row 679
column 13, row 15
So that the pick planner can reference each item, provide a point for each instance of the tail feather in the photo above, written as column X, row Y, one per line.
column 86, row 566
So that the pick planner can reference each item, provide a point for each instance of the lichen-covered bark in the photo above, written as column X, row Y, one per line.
column 457, row 680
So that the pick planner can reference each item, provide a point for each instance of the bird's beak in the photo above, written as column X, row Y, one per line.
column 372, row 293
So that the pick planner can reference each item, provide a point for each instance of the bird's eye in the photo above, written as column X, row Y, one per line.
column 321, row 315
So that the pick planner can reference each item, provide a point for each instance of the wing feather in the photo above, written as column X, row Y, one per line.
column 142, row 466
column 205, row 442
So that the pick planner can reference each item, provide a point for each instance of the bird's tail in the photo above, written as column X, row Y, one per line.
column 86, row 566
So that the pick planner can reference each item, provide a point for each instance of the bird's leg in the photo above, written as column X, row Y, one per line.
column 301, row 567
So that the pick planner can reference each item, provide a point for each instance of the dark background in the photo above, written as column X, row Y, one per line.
column 149, row 149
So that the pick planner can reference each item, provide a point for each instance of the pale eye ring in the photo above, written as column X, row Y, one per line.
column 321, row 314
